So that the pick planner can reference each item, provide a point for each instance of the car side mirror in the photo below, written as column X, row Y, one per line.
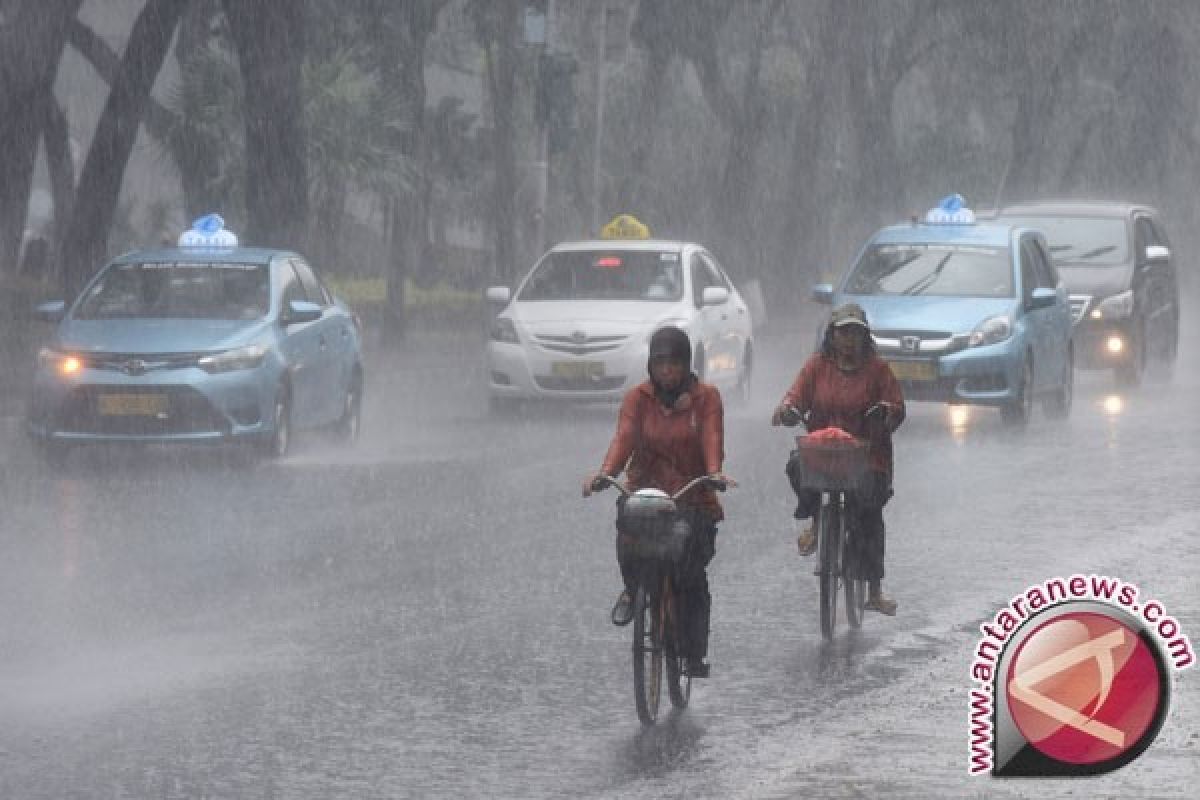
column 714, row 296
column 499, row 295
column 1042, row 297
column 299, row 311
column 52, row 311
column 1157, row 253
column 823, row 294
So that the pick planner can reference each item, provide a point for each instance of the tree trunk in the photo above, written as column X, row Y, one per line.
column 501, row 67
column 61, row 167
column 270, row 37
column 31, row 45
column 86, row 242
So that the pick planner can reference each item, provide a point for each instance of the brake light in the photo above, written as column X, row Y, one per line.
column 609, row 262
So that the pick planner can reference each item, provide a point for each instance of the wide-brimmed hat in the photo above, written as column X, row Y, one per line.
column 848, row 314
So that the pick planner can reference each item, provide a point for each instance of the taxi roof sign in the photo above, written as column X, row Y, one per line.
column 208, row 231
column 625, row 226
column 950, row 210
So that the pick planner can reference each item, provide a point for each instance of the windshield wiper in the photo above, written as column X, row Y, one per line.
column 1099, row 251
column 926, row 281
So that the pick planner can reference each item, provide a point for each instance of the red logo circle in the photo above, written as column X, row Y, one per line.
column 1084, row 688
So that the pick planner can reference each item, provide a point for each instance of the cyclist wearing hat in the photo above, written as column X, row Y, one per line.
column 670, row 430
column 835, row 388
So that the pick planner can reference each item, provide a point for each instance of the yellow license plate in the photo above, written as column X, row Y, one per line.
column 577, row 369
column 131, row 405
column 913, row 370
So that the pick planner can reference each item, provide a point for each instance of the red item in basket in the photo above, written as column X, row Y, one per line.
column 833, row 452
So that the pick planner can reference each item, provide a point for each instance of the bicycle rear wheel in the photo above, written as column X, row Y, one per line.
column 647, row 654
column 829, row 540
column 679, row 683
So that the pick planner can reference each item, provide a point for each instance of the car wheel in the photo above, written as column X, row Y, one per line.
column 1058, row 404
column 1132, row 372
column 1166, row 351
column 349, row 424
column 1019, row 411
column 280, row 441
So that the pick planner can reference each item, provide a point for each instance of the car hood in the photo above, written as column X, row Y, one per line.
column 156, row 335
column 594, row 316
column 947, row 314
column 1096, row 281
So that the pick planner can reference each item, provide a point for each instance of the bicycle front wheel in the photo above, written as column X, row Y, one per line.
column 679, row 683
column 829, row 540
column 647, row 654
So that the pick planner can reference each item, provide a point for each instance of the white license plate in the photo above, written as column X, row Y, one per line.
column 913, row 370
column 577, row 369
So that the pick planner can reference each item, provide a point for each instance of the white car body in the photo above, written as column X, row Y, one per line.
column 596, row 348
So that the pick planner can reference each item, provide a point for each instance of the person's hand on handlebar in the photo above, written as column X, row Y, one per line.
column 594, row 482
column 786, row 415
column 721, row 481
column 880, row 417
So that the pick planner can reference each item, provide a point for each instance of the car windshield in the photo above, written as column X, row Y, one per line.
column 1085, row 241
column 652, row 275
column 945, row 270
column 178, row 291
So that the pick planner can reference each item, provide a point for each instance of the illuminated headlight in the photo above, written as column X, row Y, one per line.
column 503, row 330
column 990, row 331
column 59, row 363
column 247, row 357
column 1118, row 306
column 1115, row 344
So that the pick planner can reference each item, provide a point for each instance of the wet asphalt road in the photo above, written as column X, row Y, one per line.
column 426, row 615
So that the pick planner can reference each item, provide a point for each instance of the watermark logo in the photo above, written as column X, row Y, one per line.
column 1072, row 678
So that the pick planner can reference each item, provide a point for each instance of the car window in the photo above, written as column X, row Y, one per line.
column 312, row 287
column 293, row 289
column 606, row 275
column 1090, row 241
column 1043, row 272
column 704, row 275
column 947, row 270
column 178, row 290
column 1028, row 273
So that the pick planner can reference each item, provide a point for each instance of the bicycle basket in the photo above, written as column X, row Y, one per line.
column 649, row 527
column 830, row 463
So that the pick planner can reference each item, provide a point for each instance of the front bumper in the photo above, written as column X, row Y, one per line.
column 174, row 405
column 983, row 376
column 1095, row 340
column 518, row 371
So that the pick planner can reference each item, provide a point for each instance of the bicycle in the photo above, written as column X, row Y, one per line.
column 659, row 535
column 834, row 467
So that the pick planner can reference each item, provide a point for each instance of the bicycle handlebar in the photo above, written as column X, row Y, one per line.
column 604, row 481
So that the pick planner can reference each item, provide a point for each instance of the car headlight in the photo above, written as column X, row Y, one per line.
column 1118, row 306
column 990, row 331
column 247, row 357
column 503, row 330
column 58, row 362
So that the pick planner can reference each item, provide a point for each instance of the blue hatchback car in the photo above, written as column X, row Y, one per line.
column 205, row 342
column 966, row 313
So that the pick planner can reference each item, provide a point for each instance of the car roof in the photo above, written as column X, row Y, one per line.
column 621, row 244
column 1075, row 208
column 987, row 234
column 215, row 255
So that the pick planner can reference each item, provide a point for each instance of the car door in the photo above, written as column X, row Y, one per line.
column 1153, row 284
column 301, row 345
column 327, row 399
column 713, row 321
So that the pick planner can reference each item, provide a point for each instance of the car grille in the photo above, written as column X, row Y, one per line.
column 579, row 345
column 582, row 384
column 188, row 411
column 1079, row 306
column 918, row 342
column 139, row 363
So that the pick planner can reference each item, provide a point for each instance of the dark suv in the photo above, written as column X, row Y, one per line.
column 1116, row 263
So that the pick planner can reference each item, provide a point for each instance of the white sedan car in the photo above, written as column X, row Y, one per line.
column 579, row 324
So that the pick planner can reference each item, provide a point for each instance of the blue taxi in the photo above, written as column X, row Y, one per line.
column 204, row 342
column 965, row 312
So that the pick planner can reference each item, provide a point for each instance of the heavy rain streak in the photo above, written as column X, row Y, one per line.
column 316, row 315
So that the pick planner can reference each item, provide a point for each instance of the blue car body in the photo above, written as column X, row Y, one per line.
column 999, row 342
column 117, row 370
